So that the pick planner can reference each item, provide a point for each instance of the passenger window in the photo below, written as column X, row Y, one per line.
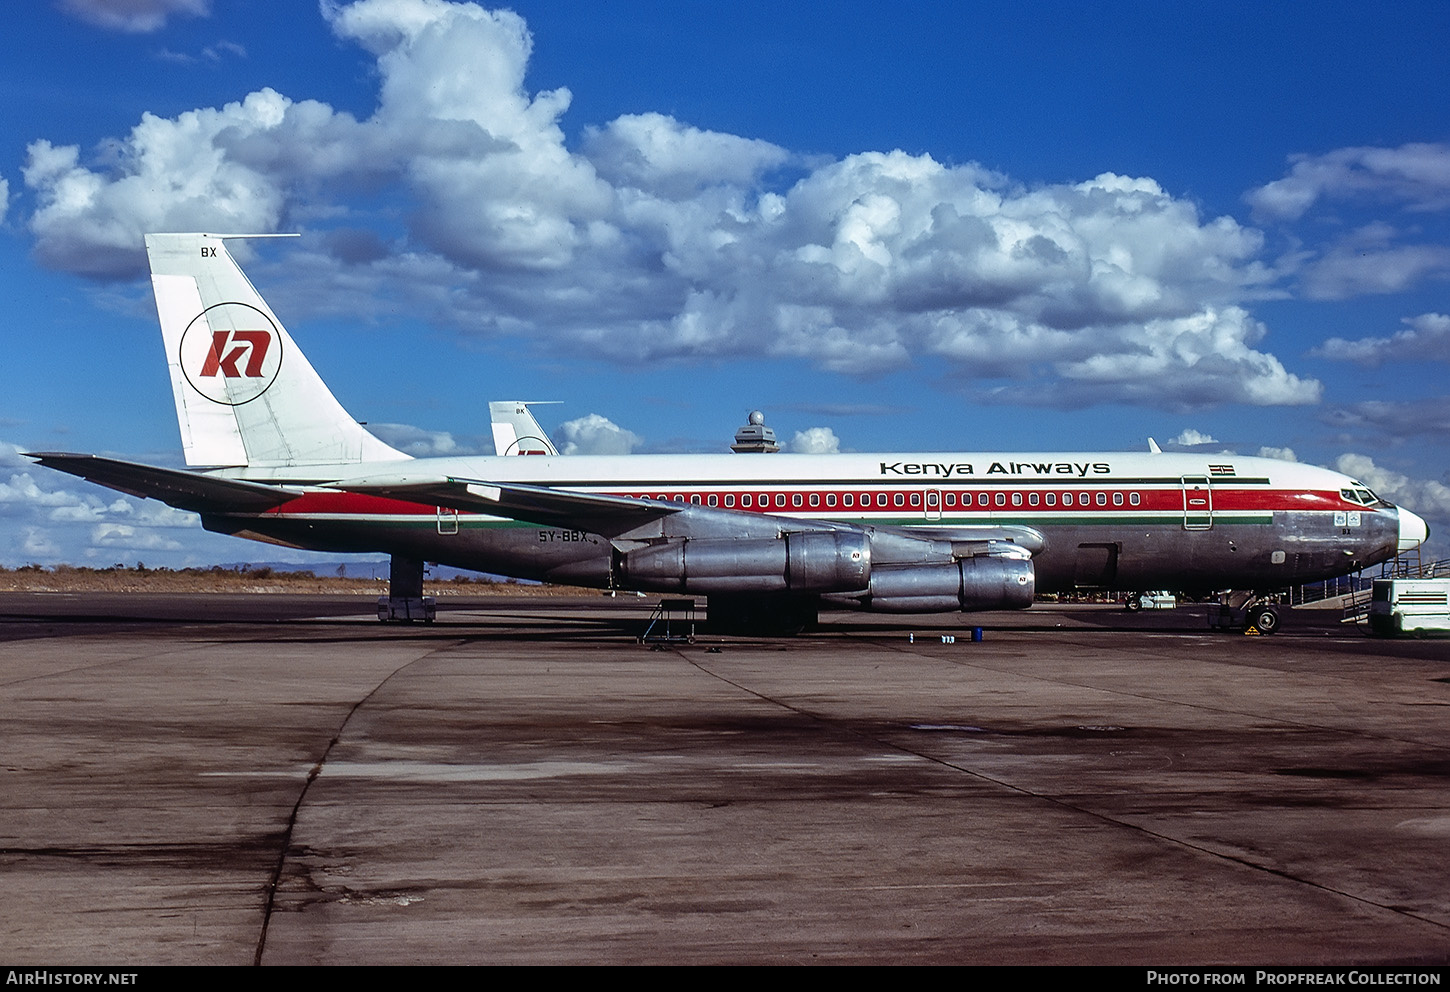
column 916, row 499
column 1016, row 499
column 1133, row 498
column 815, row 499
column 830, row 499
column 1102, row 499
column 1001, row 499
column 795, row 499
column 713, row 500
column 1117, row 499
column 880, row 499
column 982, row 499
column 780, row 499
column 1032, row 499
column 899, row 500
column 848, row 500
column 1067, row 499
column 745, row 500
column 695, row 499
column 951, row 499
column 729, row 500
column 1052, row 499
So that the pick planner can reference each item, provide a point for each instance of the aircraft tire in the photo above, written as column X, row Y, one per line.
column 1133, row 603
column 1265, row 618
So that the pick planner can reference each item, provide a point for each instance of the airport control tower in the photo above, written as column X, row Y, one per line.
column 755, row 437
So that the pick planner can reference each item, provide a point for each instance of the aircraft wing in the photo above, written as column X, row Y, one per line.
column 602, row 514
column 623, row 519
column 181, row 489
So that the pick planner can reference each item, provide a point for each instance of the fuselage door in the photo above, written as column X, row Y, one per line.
column 447, row 520
column 933, row 504
column 1197, row 502
column 1096, row 565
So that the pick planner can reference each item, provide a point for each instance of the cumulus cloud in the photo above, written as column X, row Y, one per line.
column 1427, row 339
column 596, row 435
column 421, row 443
column 1425, row 496
column 1282, row 454
column 659, row 155
column 658, row 241
column 36, row 546
column 173, row 175
column 815, row 441
column 1417, row 175
column 124, row 537
column 1191, row 438
column 132, row 16
column 1188, row 362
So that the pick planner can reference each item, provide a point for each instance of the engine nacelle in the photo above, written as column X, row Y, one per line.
column 968, row 584
column 807, row 562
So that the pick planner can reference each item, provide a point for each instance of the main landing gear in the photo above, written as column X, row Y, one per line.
column 405, row 601
column 1252, row 612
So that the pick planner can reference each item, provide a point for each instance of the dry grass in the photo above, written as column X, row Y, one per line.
column 69, row 578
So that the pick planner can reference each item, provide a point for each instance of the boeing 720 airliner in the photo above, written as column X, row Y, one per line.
column 769, row 539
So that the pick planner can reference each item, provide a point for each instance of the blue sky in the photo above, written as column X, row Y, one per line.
column 931, row 227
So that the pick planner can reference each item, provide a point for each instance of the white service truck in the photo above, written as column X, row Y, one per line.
column 1409, row 606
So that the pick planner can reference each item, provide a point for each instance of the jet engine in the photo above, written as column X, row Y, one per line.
column 984, row 583
column 804, row 562
column 917, row 577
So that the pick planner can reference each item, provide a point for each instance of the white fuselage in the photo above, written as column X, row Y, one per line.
column 1128, row 520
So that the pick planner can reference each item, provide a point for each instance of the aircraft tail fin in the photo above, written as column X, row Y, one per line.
column 515, row 431
column 245, row 394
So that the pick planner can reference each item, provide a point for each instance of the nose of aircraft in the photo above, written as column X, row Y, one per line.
column 1413, row 530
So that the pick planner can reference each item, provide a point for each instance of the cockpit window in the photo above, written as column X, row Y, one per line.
column 1360, row 495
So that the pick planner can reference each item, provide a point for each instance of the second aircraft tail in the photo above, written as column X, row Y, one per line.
column 245, row 394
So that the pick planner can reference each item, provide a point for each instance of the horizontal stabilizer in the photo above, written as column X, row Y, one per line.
column 175, row 487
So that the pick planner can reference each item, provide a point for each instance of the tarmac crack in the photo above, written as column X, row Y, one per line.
column 312, row 774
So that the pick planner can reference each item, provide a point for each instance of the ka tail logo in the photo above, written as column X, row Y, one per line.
column 223, row 357
column 231, row 353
